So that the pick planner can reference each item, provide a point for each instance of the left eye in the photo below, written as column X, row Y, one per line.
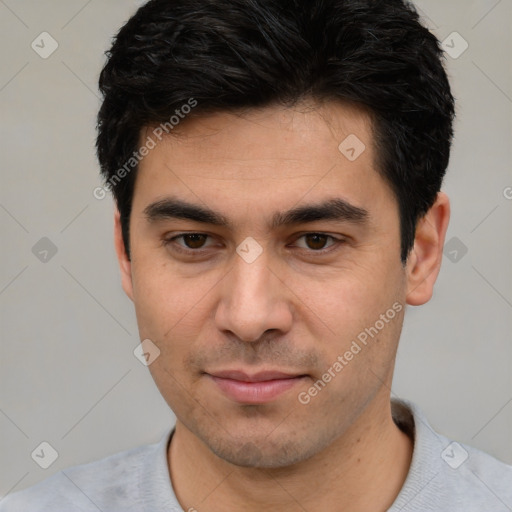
column 317, row 241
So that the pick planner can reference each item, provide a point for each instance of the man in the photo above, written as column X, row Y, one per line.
column 276, row 168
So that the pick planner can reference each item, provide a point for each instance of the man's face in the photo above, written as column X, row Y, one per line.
column 293, row 298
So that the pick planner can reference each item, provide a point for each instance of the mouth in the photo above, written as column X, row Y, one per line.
column 257, row 388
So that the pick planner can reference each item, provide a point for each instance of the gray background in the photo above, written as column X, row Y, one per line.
column 68, row 373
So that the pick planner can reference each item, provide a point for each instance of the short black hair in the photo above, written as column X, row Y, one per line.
column 228, row 55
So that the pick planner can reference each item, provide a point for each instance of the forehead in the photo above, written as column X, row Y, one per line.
column 296, row 134
column 246, row 161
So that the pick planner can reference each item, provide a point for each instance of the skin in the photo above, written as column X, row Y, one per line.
column 296, row 308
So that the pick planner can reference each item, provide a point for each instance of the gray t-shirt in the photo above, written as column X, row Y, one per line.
column 444, row 476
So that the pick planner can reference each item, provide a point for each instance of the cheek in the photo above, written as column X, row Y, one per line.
column 165, row 301
column 346, row 301
column 356, row 315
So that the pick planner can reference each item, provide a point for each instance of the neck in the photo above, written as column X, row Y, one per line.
column 364, row 469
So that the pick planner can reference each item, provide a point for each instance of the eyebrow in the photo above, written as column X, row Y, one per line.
column 332, row 209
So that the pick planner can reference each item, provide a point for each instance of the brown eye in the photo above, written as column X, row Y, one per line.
column 316, row 241
column 194, row 240
column 189, row 243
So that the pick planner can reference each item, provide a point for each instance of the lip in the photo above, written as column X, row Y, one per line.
column 257, row 388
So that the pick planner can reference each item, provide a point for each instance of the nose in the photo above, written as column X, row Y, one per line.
column 253, row 300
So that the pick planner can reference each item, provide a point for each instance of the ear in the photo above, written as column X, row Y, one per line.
column 424, row 261
column 124, row 263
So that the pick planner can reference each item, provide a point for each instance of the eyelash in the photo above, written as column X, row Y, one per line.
column 198, row 252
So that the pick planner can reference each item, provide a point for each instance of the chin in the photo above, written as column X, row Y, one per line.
column 261, row 451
